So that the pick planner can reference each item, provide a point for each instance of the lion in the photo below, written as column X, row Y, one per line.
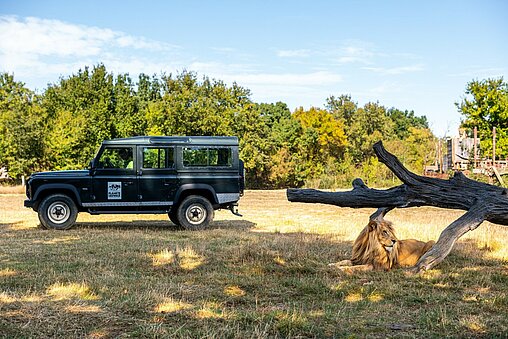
column 377, row 248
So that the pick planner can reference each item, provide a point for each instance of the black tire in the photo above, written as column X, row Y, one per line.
column 58, row 212
column 195, row 213
column 174, row 218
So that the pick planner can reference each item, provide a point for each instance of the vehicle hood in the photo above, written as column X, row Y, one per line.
column 73, row 173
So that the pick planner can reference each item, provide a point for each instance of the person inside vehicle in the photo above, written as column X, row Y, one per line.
column 126, row 156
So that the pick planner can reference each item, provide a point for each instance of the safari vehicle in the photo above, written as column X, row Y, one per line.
column 186, row 177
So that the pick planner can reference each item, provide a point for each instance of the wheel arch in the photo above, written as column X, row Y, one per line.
column 203, row 190
column 49, row 189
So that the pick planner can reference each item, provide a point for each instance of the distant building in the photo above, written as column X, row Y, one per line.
column 460, row 152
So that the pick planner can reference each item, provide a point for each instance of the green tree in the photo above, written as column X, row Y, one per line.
column 128, row 119
column 321, row 144
column 485, row 107
column 283, row 145
column 256, row 145
column 273, row 114
column 369, row 124
column 331, row 138
column 416, row 150
column 193, row 107
column 21, row 128
column 421, row 145
column 342, row 108
column 404, row 120
column 149, row 89
column 86, row 101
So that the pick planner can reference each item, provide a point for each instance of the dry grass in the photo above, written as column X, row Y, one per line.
column 264, row 275
column 8, row 189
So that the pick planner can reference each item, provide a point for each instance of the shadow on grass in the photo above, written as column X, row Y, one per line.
column 469, row 256
column 162, row 225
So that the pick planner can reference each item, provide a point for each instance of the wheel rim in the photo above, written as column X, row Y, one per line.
column 58, row 212
column 195, row 214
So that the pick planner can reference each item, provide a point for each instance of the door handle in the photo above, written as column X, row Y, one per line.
column 127, row 183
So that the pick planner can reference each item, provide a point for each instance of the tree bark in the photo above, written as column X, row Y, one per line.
column 481, row 201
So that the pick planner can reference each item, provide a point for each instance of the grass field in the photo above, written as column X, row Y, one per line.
column 263, row 275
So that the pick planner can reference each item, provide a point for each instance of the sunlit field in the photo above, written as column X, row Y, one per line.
column 263, row 275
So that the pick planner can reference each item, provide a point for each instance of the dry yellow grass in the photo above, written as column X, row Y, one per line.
column 263, row 275
column 11, row 189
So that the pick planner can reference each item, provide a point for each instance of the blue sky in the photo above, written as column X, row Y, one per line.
column 405, row 54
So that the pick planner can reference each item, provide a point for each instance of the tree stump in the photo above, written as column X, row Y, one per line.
column 481, row 201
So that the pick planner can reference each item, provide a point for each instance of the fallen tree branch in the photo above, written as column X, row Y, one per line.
column 481, row 201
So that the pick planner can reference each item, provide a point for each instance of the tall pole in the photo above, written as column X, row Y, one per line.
column 439, row 163
column 494, row 147
column 475, row 135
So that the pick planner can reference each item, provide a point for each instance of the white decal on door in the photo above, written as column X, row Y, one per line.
column 114, row 190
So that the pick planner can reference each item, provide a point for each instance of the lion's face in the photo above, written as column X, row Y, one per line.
column 384, row 233
column 376, row 245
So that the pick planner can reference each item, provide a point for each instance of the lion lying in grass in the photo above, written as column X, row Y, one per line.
column 378, row 248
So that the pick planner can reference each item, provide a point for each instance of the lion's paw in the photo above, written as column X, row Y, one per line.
column 341, row 263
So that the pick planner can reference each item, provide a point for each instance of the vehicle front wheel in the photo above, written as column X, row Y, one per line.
column 173, row 217
column 195, row 213
column 58, row 212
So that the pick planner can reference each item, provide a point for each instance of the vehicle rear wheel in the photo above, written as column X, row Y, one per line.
column 195, row 213
column 58, row 212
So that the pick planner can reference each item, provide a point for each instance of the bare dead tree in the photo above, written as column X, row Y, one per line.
column 481, row 201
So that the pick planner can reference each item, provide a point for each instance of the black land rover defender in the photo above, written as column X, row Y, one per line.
column 186, row 177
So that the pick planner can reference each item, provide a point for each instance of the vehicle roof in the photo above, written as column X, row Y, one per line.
column 189, row 140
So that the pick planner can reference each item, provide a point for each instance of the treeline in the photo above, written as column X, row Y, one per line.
column 320, row 147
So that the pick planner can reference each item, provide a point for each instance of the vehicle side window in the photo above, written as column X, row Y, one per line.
column 193, row 157
column 221, row 157
column 212, row 157
column 161, row 157
column 117, row 157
